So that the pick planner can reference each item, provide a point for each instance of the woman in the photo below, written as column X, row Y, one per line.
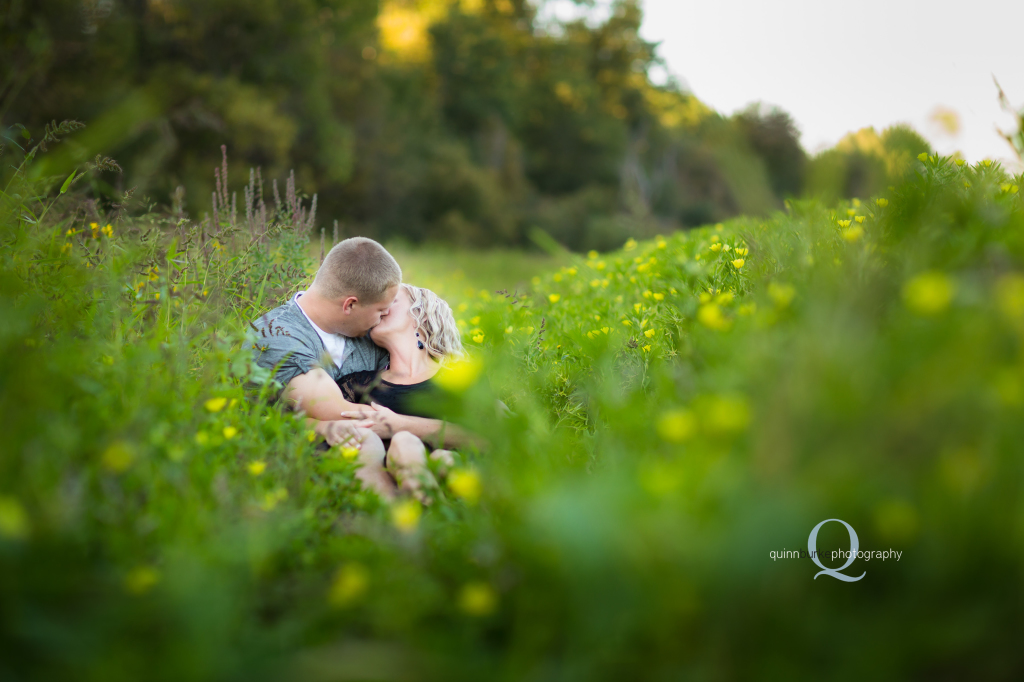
column 420, row 334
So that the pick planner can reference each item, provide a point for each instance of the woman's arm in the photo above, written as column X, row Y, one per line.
column 385, row 423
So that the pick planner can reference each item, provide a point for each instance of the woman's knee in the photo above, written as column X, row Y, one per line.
column 406, row 450
column 371, row 448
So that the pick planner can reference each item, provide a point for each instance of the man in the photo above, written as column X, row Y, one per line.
column 321, row 335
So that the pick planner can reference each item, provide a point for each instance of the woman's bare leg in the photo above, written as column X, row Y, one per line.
column 445, row 458
column 407, row 462
column 371, row 471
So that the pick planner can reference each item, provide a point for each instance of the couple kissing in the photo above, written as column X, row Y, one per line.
column 356, row 354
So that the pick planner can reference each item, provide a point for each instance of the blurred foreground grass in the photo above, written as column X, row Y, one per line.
column 681, row 409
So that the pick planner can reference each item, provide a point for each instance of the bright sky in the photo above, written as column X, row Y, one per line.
column 837, row 66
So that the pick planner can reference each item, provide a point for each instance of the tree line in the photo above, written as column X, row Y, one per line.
column 469, row 122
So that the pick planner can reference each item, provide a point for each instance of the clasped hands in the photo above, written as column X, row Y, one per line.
column 377, row 418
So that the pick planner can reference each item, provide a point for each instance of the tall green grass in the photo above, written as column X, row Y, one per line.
column 676, row 416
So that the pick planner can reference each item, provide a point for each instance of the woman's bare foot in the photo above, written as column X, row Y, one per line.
column 407, row 462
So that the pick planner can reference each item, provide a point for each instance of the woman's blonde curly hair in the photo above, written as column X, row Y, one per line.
column 435, row 322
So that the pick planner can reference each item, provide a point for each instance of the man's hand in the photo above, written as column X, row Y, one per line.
column 379, row 419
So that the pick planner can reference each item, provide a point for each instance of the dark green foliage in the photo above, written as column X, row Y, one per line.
column 518, row 120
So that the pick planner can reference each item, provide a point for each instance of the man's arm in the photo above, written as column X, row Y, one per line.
column 317, row 394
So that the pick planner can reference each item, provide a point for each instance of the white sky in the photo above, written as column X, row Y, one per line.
column 837, row 66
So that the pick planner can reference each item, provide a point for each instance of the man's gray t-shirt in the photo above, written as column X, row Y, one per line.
column 285, row 340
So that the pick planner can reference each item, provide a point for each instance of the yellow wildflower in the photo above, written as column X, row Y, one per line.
column 649, row 333
column 554, row 298
column 118, row 457
column 928, row 293
column 350, row 582
column 600, row 265
column 629, row 245
column 349, row 452
column 647, row 348
column 882, row 202
column 479, row 338
column 726, row 413
column 716, row 247
column 676, row 425
column 852, row 234
column 592, row 255
column 627, row 323
column 257, row 468
column 272, row 498
column 595, row 282
column 662, row 244
column 477, row 599
column 465, row 483
column 738, row 263
column 216, row 404
column 923, row 156
column 141, row 580
column 459, row 375
column 230, row 432
column 406, row 515
column 648, row 293
column 13, row 519
column 782, row 294
column 659, row 297
column 710, row 315
column 851, row 212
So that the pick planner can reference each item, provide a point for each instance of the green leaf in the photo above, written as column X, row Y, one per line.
column 67, row 183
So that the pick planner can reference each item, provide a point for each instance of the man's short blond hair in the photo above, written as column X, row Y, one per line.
column 358, row 267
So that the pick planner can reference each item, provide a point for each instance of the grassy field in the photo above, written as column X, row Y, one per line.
column 683, row 412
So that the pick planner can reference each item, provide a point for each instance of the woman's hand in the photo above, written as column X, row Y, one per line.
column 379, row 419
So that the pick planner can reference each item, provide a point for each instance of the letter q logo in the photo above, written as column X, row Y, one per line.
column 812, row 548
